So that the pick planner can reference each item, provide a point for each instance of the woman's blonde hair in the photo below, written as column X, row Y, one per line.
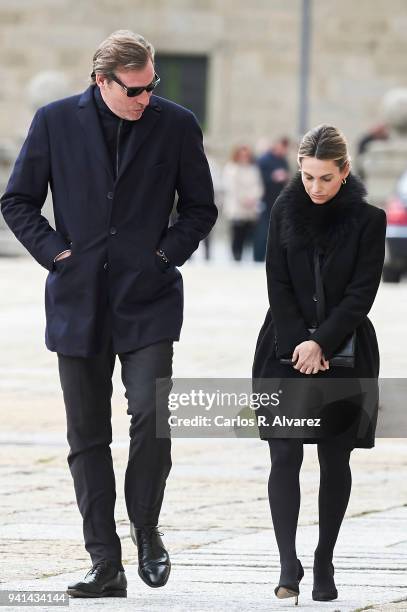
column 325, row 142
column 123, row 49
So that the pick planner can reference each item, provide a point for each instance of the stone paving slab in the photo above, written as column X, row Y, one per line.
column 215, row 516
column 240, row 573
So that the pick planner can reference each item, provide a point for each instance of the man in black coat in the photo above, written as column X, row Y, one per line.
column 274, row 170
column 114, row 157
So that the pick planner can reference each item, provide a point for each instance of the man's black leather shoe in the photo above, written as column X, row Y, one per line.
column 104, row 579
column 153, row 560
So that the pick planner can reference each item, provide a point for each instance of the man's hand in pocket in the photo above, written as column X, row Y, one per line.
column 63, row 255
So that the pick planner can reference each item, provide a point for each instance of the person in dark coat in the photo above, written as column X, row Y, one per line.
column 114, row 157
column 322, row 210
column 275, row 171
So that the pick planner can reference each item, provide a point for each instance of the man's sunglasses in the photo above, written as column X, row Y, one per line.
column 131, row 92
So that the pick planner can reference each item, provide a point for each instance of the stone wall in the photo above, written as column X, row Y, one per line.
column 358, row 53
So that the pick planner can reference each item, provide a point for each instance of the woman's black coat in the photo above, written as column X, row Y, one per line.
column 352, row 234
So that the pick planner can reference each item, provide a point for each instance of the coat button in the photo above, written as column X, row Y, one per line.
column 110, row 195
column 113, row 231
column 314, row 297
column 105, row 266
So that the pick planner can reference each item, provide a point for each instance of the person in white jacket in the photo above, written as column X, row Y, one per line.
column 243, row 189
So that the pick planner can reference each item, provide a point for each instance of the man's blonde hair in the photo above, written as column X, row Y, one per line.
column 123, row 49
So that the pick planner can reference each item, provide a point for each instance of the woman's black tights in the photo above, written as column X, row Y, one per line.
column 284, row 496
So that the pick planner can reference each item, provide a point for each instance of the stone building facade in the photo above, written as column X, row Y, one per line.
column 358, row 52
column 252, row 55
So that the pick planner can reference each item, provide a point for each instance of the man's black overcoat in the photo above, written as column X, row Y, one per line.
column 111, row 286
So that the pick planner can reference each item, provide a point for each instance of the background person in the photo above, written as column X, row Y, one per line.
column 242, row 190
column 376, row 132
column 275, row 172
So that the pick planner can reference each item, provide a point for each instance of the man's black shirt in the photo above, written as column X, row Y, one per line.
column 115, row 130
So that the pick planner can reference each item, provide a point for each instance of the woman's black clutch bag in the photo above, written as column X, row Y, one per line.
column 345, row 355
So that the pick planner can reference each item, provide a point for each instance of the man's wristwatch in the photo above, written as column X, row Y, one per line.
column 163, row 258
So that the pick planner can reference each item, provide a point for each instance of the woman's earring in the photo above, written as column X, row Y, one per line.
column 344, row 181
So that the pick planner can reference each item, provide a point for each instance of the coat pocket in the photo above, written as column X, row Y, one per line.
column 60, row 264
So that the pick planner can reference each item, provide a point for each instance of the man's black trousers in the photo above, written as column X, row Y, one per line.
column 87, row 388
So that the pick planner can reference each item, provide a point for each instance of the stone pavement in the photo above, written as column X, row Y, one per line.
column 215, row 516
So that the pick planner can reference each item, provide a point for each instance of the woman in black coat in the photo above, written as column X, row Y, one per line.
column 321, row 215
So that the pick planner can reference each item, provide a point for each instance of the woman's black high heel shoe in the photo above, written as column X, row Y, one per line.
column 324, row 583
column 283, row 591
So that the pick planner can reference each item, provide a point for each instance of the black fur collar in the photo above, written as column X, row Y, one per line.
column 304, row 223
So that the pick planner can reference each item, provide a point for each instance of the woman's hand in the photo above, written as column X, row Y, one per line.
column 324, row 364
column 309, row 358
